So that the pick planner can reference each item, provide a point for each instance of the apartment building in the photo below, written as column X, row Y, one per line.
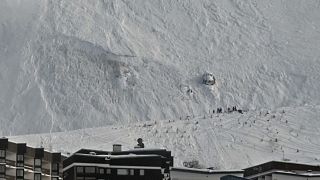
column 137, row 164
column 21, row 162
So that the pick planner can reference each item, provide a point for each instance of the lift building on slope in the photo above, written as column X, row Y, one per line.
column 21, row 162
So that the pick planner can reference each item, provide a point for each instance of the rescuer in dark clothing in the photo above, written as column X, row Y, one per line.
column 140, row 143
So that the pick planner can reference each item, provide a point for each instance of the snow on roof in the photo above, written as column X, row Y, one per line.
column 131, row 150
column 119, row 156
column 297, row 173
column 291, row 173
column 284, row 162
column 296, row 163
column 206, row 171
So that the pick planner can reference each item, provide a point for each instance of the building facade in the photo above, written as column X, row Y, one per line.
column 205, row 174
column 138, row 164
column 277, row 170
column 21, row 162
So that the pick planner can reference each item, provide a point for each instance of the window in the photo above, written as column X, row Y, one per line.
column 131, row 172
column 108, row 171
column 55, row 169
column 2, row 169
column 2, row 153
column 37, row 162
column 37, row 165
column 37, row 169
column 37, row 176
column 91, row 170
column 20, row 157
column 141, row 172
column 80, row 170
column 20, row 173
column 20, row 160
column 101, row 171
column 54, row 178
column 122, row 172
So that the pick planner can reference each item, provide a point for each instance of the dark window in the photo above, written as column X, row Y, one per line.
column 37, row 176
column 2, row 153
column 80, row 170
column 131, row 172
column 20, row 173
column 90, row 170
column 37, row 162
column 101, row 171
column 2, row 169
column 37, row 165
column 20, row 160
column 20, row 157
column 54, row 178
column 55, row 169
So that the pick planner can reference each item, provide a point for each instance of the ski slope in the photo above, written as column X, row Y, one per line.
column 222, row 141
column 72, row 64
column 88, row 74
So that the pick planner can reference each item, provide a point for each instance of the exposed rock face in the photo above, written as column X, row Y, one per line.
column 208, row 79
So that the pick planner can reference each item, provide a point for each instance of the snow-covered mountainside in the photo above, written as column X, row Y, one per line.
column 71, row 64
column 223, row 141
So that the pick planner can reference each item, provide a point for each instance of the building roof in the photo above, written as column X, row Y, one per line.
column 133, row 151
column 22, row 148
column 205, row 171
column 279, row 166
column 125, row 159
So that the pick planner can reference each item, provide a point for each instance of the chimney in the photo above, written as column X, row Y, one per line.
column 117, row 148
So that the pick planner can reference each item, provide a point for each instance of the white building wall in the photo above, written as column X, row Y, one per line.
column 288, row 177
column 178, row 175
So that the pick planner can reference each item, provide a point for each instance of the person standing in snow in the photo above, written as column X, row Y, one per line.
column 140, row 143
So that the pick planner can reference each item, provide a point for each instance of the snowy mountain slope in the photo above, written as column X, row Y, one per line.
column 224, row 141
column 70, row 64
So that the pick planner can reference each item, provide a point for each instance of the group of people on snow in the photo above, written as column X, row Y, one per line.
column 228, row 110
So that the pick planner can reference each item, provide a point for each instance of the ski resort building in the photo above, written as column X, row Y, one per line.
column 137, row 164
column 205, row 174
column 277, row 170
column 21, row 162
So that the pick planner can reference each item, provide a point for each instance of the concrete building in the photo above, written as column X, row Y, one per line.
column 21, row 162
column 203, row 174
column 137, row 164
column 277, row 170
